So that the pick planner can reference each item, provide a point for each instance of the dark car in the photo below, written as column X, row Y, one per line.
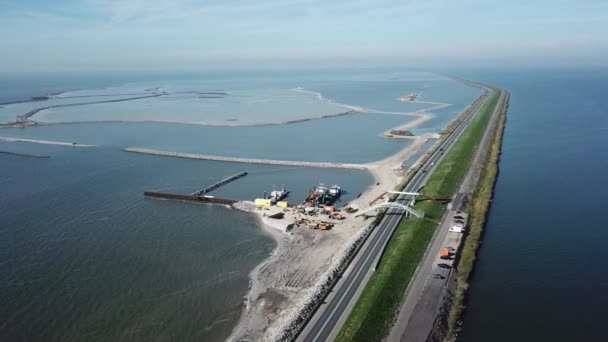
column 438, row 276
column 446, row 266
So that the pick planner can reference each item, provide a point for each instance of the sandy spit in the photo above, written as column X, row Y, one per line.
column 45, row 142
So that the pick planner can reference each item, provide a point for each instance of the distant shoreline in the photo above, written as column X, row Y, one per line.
column 351, row 110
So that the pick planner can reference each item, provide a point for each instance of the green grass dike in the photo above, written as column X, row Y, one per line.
column 374, row 312
column 478, row 208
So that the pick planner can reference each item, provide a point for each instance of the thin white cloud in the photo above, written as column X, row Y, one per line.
column 161, row 33
column 122, row 10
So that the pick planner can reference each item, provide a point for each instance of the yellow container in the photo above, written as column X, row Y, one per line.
column 282, row 204
column 261, row 202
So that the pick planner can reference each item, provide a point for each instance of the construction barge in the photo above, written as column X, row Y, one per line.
column 322, row 196
column 193, row 198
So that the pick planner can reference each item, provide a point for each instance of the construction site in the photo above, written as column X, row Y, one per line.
column 315, row 232
column 317, row 211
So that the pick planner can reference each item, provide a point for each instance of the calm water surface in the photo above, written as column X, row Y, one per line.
column 540, row 272
column 86, row 257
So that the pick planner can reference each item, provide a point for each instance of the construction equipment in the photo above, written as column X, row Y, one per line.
column 312, row 224
column 324, row 225
column 301, row 220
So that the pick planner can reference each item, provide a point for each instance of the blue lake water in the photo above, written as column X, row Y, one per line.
column 339, row 139
column 540, row 271
column 84, row 256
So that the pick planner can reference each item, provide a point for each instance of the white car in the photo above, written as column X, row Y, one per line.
column 456, row 229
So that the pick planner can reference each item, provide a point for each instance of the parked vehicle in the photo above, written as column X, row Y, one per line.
column 456, row 229
column 438, row 276
column 444, row 253
column 446, row 266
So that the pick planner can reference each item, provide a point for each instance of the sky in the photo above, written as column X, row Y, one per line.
column 43, row 35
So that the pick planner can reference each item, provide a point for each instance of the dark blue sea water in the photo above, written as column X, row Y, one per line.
column 540, row 274
column 84, row 256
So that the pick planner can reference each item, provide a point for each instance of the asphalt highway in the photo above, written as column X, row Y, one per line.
column 328, row 318
column 423, row 298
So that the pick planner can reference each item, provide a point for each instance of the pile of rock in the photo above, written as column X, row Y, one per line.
column 246, row 206
column 291, row 323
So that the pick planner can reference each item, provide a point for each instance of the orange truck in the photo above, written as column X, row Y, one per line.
column 444, row 253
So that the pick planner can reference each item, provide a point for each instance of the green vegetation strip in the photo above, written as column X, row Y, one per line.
column 449, row 129
column 374, row 312
column 477, row 211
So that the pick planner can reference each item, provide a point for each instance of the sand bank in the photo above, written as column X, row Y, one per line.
column 45, row 142
column 25, row 120
column 251, row 160
column 177, row 122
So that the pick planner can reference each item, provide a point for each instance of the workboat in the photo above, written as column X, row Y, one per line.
column 277, row 195
column 322, row 195
column 335, row 190
column 321, row 190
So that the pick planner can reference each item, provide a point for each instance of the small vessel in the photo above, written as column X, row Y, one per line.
column 321, row 190
column 323, row 196
column 335, row 190
column 277, row 195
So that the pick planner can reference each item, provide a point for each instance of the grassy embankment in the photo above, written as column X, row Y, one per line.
column 478, row 207
column 374, row 311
